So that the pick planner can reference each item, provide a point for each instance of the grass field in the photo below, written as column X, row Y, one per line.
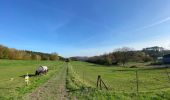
column 15, row 88
column 154, row 84
column 80, row 79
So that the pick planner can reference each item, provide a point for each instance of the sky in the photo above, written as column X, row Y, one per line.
column 84, row 27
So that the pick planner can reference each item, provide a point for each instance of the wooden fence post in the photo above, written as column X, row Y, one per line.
column 137, row 82
column 166, row 70
column 83, row 76
column 100, row 82
column 98, row 78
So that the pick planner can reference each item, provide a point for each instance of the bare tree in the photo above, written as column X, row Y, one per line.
column 123, row 54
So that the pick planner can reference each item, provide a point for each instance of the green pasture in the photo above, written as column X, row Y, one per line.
column 153, row 83
column 12, row 82
column 81, row 78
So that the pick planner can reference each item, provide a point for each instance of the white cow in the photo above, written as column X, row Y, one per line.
column 41, row 70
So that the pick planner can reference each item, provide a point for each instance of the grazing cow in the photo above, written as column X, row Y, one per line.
column 41, row 70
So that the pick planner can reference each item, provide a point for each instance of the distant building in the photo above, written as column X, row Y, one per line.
column 159, row 60
column 155, row 48
column 166, row 59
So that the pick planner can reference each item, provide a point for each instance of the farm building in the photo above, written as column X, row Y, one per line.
column 159, row 60
column 166, row 59
column 155, row 48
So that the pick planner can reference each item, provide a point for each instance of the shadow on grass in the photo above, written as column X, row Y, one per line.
column 81, row 89
column 30, row 75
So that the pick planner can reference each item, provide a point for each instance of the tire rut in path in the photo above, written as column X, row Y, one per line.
column 53, row 89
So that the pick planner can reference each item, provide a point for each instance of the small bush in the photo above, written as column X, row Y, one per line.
column 133, row 66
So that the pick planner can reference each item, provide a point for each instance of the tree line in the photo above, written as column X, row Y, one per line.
column 14, row 54
column 126, row 54
column 120, row 56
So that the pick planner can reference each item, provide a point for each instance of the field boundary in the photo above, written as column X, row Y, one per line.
column 136, row 81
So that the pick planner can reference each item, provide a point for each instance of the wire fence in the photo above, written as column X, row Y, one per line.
column 133, row 81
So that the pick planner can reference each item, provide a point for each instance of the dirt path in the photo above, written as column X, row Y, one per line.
column 53, row 89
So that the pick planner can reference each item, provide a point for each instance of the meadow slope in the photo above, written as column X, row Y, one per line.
column 153, row 83
column 77, row 80
column 53, row 89
column 12, row 82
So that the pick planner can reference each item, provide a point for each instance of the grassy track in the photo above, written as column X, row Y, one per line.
column 153, row 83
column 53, row 89
column 12, row 84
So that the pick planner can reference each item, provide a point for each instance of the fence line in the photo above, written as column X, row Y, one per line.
column 138, row 82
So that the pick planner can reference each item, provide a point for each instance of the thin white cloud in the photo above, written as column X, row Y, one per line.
column 53, row 28
column 162, row 42
column 134, row 31
column 154, row 24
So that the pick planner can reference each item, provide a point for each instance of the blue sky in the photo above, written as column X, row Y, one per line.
column 84, row 27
